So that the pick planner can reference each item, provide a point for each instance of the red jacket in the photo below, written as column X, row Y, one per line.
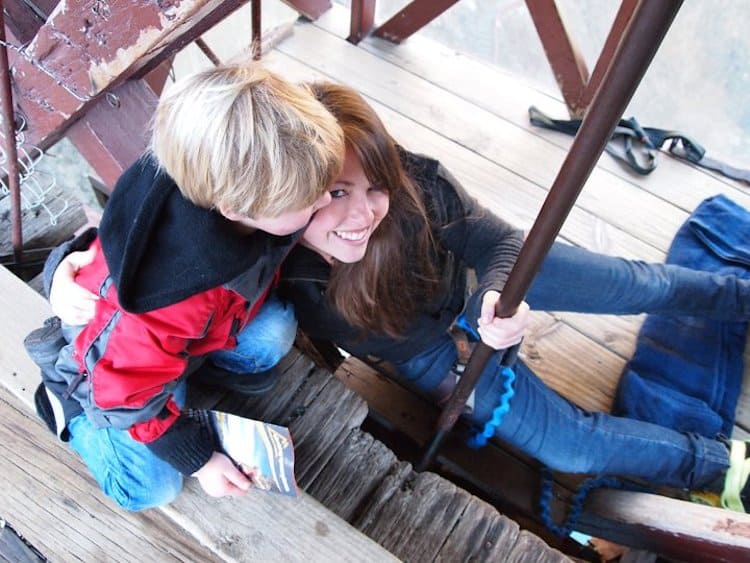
column 176, row 282
column 133, row 360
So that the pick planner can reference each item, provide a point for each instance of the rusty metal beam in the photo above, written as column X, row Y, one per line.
column 9, row 133
column 412, row 18
column 256, row 29
column 622, row 19
column 24, row 18
column 115, row 132
column 362, row 20
column 311, row 9
column 206, row 50
column 80, row 53
column 563, row 55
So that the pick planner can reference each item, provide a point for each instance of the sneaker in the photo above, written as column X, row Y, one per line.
column 244, row 383
column 736, row 494
column 44, row 344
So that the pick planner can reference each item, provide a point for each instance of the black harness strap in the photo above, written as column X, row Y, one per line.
column 638, row 146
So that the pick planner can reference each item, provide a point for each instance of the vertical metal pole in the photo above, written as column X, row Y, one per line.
column 361, row 20
column 206, row 50
column 639, row 44
column 9, row 132
column 256, row 29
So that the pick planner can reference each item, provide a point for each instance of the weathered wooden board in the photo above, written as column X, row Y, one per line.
column 267, row 527
column 50, row 499
column 411, row 509
column 56, row 218
column 284, row 528
column 340, row 485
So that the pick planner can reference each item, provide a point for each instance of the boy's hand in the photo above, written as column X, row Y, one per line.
column 74, row 304
column 220, row 477
column 498, row 333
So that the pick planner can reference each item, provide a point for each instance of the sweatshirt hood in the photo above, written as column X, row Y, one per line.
column 160, row 248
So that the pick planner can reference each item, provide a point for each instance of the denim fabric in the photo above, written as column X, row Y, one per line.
column 686, row 372
column 126, row 470
column 563, row 436
column 577, row 280
column 263, row 342
column 566, row 438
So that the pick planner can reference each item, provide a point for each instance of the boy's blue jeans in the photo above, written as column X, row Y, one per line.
column 559, row 434
column 126, row 470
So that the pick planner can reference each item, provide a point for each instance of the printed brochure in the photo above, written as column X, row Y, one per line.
column 259, row 448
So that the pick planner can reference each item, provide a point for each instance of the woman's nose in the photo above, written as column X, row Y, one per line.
column 361, row 206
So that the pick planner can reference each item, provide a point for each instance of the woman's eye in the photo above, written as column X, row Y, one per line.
column 335, row 194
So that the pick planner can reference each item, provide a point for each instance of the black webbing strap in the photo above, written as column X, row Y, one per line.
column 637, row 146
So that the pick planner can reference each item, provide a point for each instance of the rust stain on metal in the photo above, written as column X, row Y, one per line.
column 84, row 49
column 733, row 527
column 102, row 74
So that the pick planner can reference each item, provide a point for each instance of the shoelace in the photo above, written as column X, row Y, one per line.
column 736, row 478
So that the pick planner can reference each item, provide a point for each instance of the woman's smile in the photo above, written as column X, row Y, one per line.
column 354, row 236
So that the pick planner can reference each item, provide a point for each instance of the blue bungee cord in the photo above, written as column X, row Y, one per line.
column 576, row 505
column 479, row 438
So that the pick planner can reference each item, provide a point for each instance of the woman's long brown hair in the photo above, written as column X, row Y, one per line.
column 381, row 292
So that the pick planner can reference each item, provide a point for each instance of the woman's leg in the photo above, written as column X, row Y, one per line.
column 428, row 370
column 126, row 470
column 566, row 438
column 575, row 279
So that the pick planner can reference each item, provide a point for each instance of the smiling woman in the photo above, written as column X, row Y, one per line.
column 342, row 229
column 418, row 233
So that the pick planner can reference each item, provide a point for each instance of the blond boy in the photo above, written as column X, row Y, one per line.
column 181, row 270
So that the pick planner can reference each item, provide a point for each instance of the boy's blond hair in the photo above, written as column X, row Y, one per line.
column 239, row 138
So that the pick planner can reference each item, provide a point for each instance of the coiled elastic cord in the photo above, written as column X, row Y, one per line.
column 479, row 438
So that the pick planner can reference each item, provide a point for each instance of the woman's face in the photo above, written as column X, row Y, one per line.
column 342, row 229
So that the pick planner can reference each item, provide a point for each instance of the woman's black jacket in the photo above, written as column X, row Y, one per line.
column 468, row 236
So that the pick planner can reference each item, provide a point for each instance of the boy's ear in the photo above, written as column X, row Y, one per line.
column 231, row 215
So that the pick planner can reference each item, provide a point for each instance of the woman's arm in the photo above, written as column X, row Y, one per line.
column 479, row 238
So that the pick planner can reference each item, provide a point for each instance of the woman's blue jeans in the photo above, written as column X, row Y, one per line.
column 577, row 280
column 559, row 434
column 126, row 470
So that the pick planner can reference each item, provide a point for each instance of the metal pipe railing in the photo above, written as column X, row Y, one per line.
column 9, row 132
column 639, row 44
